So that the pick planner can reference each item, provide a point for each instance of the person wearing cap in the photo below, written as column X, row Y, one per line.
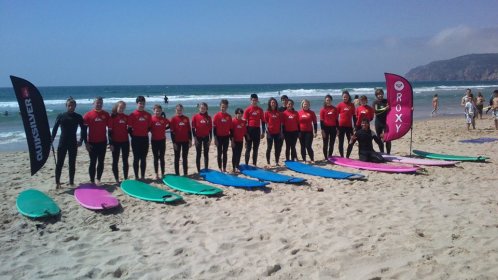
column 139, row 124
column 97, row 121
column 254, row 117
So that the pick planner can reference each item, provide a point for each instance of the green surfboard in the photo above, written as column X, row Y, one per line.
column 449, row 157
column 147, row 192
column 35, row 204
column 188, row 185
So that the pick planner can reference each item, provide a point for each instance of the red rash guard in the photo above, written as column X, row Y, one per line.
column 140, row 122
column 364, row 111
column 274, row 121
column 180, row 128
column 202, row 125
column 222, row 122
column 158, row 128
column 346, row 112
column 306, row 120
column 239, row 128
column 291, row 121
column 254, row 116
column 119, row 128
column 328, row 115
column 97, row 122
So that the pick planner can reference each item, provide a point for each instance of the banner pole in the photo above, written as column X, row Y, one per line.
column 411, row 140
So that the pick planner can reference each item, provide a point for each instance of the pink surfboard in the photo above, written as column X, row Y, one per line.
column 94, row 197
column 418, row 161
column 381, row 167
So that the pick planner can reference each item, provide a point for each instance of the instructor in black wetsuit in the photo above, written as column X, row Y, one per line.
column 69, row 122
column 364, row 136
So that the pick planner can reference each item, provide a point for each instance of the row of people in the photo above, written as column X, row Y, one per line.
column 279, row 124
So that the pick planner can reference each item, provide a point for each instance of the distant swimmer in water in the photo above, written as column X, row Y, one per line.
column 166, row 101
column 6, row 113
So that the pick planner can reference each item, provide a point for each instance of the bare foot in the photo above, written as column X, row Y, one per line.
column 57, row 186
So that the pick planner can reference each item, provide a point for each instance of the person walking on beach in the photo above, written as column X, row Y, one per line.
column 139, row 124
column 238, row 133
column 119, row 141
column 328, row 126
column 364, row 136
column 222, row 123
column 470, row 111
column 159, row 125
column 291, row 130
column 308, row 130
column 435, row 105
column 468, row 93
column 274, row 135
column 363, row 111
column 479, row 104
column 346, row 111
column 202, row 130
column 494, row 107
column 181, row 136
column 381, row 108
column 68, row 122
column 97, row 121
column 254, row 115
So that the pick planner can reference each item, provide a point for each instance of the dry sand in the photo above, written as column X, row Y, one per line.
column 438, row 225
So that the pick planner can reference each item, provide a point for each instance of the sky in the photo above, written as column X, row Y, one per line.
column 73, row 43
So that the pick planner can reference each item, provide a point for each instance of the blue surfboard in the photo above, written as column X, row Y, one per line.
column 268, row 176
column 319, row 171
column 223, row 179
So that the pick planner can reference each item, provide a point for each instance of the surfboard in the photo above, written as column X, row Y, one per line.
column 418, row 161
column 147, row 192
column 188, row 185
column 381, row 167
column 268, row 176
column 223, row 179
column 449, row 157
column 35, row 204
column 481, row 140
column 321, row 172
column 95, row 198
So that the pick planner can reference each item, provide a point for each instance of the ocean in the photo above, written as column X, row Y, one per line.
column 12, row 137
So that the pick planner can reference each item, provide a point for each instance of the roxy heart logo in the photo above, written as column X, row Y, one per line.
column 25, row 92
column 399, row 86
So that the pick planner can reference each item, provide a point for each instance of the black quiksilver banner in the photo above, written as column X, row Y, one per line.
column 34, row 117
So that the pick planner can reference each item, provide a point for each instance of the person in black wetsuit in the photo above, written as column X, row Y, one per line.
column 381, row 108
column 68, row 122
column 364, row 136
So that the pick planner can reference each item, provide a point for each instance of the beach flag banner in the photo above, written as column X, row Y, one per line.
column 399, row 118
column 34, row 117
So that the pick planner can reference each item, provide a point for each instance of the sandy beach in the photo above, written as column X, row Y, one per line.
column 441, row 224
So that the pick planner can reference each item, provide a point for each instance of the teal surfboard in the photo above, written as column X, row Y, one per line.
column 449, row 157
column 147, row 192
column 35, row 204
column 188, row 185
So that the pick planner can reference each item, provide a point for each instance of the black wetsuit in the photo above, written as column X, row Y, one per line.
column 380, row 119
column 365, row 149
column 68, row 144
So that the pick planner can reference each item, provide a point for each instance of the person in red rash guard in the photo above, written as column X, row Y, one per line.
column 139, row 122
column 254, row 115
column 273, row 120
column 158, row 139
column 96, row 120
column 308, row 129
column 202, row 130
column 328, row 126
column 222, row 123
column 363, row 111
column 119, row 139
column 181, row 136
column 291, row 130
column 238, row 133
column 346, row 119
